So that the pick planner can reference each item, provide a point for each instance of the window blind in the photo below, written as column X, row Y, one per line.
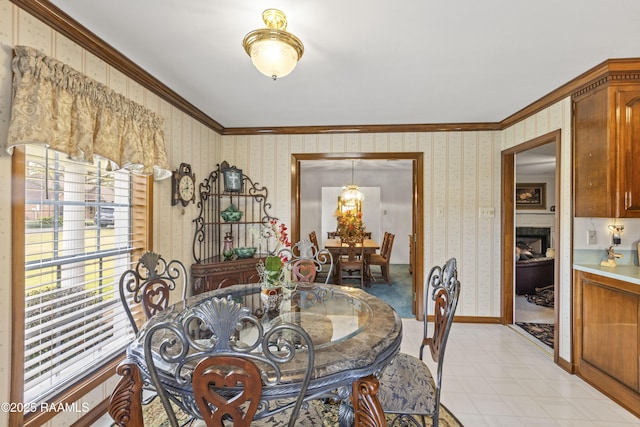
column 79, row 239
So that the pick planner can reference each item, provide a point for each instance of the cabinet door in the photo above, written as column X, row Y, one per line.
column 594, row 157
column 629, row 152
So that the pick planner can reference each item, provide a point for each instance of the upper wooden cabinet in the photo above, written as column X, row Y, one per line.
column 607, row 146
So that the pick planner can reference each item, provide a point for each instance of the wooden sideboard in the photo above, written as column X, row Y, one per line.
column 607, row 336
column 217, row 274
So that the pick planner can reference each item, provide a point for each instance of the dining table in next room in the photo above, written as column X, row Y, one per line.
column 335, row 246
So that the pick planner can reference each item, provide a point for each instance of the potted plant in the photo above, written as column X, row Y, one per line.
column 272, row 280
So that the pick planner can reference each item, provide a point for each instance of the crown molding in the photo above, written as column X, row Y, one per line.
column 67, row 26
column 611, row 71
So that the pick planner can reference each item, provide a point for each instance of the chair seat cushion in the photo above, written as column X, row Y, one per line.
column 376, row 258
column 407, row 386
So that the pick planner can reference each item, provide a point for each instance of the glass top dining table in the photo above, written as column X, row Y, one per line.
column 354, row 334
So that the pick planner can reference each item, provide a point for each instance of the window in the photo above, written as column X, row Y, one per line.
column 83, row 224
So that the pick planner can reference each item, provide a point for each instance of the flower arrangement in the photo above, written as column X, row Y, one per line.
column 273, row 234
column 350, row 225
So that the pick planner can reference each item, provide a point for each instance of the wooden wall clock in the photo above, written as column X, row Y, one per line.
column 183, row 185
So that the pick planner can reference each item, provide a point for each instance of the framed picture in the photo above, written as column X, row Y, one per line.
column 232, row 178
column 531, row 195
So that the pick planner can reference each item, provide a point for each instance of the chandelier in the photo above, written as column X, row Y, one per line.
column 273, row 50
column 351, row 195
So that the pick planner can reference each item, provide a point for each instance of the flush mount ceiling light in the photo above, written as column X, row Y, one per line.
column 273, row 50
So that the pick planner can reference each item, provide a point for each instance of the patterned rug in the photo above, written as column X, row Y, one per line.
column 155, row 416
column 542, row 331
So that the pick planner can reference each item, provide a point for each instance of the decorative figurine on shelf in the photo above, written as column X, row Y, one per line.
column 611, row 258
column 227, row 250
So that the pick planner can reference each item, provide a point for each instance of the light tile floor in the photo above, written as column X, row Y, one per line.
column 495, row 376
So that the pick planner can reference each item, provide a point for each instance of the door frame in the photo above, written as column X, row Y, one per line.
column 508, row 228
column 417, row 211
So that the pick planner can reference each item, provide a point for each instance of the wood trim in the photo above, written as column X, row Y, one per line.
column 18, row 281
column 74, row 394
column 418, row 208
column 508, row 228
column 613, row 69
column 508, row 239
column 388, row 128
column 91, row 417
column 51, row 15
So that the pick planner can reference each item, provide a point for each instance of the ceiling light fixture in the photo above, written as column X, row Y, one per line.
column 273, row 50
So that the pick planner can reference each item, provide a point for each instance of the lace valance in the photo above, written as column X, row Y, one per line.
column 57, row 106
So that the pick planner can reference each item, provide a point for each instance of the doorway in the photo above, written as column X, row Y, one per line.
column 516, row 225
column 416, row 159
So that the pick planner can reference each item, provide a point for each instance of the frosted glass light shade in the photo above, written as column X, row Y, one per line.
column 273, row 58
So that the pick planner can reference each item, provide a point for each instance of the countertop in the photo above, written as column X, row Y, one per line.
column 624, row 272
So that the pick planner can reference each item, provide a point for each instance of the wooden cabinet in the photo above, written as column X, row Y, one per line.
column 221, row 274
column 607, row 340
column 216, row 194
column 607, row 150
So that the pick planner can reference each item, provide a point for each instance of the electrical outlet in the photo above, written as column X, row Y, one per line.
column 591, row 237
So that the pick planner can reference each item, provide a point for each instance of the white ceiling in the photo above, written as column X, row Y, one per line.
column 367, row 63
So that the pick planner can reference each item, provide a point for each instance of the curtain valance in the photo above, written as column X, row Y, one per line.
column 57, row 106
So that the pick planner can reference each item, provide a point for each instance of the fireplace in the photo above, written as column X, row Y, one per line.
column 537, row 238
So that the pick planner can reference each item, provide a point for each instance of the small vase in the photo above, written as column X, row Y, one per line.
column 271, row 299
column 227, row 250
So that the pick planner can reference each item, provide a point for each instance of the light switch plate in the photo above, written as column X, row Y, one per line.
column 591, row 237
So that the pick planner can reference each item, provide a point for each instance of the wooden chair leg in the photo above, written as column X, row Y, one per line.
column 125, row 404
column 366, row 406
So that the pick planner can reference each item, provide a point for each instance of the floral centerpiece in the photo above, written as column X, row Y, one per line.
column 273, row 273
column 350, row 225
column 271, row 237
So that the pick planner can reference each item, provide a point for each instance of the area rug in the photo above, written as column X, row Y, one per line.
column 543, row 296
column 542, row 331
column 155, row 416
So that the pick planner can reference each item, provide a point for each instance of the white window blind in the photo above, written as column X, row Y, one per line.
column 78, row 241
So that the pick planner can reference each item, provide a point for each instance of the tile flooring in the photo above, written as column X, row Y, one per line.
column 495, row 376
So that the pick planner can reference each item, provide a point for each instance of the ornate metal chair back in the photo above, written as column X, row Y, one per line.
column 149, row 285
column 320, row 260
column 229, row 364
column 444, row 291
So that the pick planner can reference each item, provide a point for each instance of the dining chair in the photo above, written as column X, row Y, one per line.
column 237, row 380
column 148, row 286
column 383, row 259
column 313, row 237
column 351, row 263
column 306, row 262
column 408, row 388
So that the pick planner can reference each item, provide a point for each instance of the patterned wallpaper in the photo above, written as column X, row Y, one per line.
column 461, row 175
column 187, row 140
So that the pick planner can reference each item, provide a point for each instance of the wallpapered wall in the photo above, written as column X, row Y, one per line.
column 187, row 141
column 461, row 174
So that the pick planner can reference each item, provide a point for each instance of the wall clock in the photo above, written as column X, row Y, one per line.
column 183, row 185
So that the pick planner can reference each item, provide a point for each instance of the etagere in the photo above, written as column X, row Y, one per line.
column 228, row 186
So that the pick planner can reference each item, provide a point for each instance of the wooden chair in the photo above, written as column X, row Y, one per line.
column 306, row 262
column 148, row 286
column 230, row 382
column 407, row 386
column 351, row 263
column 313, row 238
column 383, row 258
